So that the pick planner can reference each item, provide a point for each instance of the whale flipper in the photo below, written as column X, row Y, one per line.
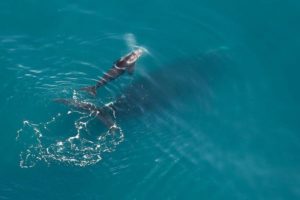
column 130, row 69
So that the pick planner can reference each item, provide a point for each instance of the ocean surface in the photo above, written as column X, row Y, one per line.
column 211, row 111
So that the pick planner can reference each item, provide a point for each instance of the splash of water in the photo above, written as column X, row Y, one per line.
column 131, row 42
column 39, row 143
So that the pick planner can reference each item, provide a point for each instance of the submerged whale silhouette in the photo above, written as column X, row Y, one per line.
column 161, row 89
column 103, row 114
column 125, row 63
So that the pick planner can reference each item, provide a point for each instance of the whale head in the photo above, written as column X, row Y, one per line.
column 134, row 56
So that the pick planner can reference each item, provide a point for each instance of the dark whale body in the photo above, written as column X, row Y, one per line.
column 125, row 63
column 163, row 88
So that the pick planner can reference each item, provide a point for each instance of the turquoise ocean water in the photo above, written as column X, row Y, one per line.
column 211, row 111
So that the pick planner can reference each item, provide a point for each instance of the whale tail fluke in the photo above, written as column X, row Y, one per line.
column 92, row 90
column 104, row 114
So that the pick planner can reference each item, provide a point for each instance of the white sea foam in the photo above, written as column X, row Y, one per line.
column 41, row 145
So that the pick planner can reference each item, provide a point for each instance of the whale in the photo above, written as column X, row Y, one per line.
column 102, row 113
column 125, row 63
column 161, row 89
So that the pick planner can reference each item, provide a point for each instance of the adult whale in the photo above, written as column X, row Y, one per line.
column 125, row 63
column 163, row 88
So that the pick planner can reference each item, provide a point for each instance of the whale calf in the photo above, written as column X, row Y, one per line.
column 125, row 63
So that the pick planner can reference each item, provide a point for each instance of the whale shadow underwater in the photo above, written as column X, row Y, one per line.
column 166, row 88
